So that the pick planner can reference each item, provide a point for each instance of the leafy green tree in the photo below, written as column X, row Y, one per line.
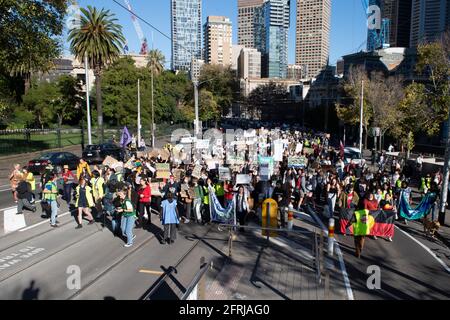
column 350, row 113
column 29, row 31
column 267, row 95
column 222, row 83
column 101, row 39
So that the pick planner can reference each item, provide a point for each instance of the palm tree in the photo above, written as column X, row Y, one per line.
column 101, row 40
column 156, row 61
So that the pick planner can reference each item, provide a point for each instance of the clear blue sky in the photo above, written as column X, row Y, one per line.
column 348, row 27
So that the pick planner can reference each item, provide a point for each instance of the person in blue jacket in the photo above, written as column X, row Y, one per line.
column 169, row 219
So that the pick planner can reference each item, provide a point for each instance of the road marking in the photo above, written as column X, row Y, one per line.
column 158, row 273
column 42, row 222
column 348, row 286
column 426, row 249
column 13, row 221
column 15, row 207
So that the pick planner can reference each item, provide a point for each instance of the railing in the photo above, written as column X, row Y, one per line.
column 196, row 289
column 159, row 283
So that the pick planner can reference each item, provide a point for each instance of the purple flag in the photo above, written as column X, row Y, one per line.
column 126, row 137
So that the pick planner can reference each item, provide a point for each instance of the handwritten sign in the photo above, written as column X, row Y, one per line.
column 224, row 174
column 163, row 170
column 264, row 172
column 297, row 162
column 197, row 172
column 202, row 144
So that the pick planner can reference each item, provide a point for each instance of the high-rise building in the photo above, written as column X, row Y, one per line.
column 186, row 18
column 247, row 10
column 294, row 72
column 272, row 30
column 313, row 35
column 218, row 34
column 196, row 68
column 249, row 64
column 236, row 52
column 429, row 19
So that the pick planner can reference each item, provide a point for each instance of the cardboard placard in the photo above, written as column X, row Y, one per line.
column 224, row 174
column 243, row 179
column 163, row 170
column 308, row 150
column 109, row 161
column 177, row 174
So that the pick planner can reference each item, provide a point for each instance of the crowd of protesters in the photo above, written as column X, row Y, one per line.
column 128, row 195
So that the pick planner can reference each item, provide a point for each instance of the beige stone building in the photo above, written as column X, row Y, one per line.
column 313, row 35
column 218, row 33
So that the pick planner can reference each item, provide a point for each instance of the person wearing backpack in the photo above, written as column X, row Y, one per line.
column 24, row 194
column 84, row 202
column 50, row 195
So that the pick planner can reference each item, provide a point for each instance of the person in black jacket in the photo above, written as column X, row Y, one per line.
column 24, row 194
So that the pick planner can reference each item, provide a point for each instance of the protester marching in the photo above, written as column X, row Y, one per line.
column 225, row 177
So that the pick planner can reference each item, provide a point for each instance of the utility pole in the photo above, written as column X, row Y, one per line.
column 361, row 121
column 446, row 177
column 88, row 105
column 139, row 115
column 197, row 124
column 153, row 116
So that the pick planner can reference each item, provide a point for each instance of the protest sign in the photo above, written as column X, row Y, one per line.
column 109, row 161
column 177, row 174
column 278, row 150
column 243, row 179
column 297, row 162
column 202, row 144
column 163, row 170
column 308, row 150
column 264, row 172
column 224, row 174
column 155, row 189
column 212, row 164
column 197, row 172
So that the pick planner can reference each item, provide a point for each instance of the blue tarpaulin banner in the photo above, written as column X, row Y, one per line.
column 220, row 214
column 420, row 211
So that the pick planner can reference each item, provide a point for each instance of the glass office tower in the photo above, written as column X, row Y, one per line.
column 186, row 18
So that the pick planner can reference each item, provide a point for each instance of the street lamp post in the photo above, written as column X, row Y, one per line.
column 361, row 121
column 446, row 177
column 197, row 120
column 88, row 107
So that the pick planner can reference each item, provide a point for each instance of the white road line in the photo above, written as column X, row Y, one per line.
column 426, row 249
column 13, row 221
column 348, row 286
column 41, row 223
column 15, row 207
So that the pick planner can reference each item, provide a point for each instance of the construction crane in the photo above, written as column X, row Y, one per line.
column 137, row 27
column 377, row 38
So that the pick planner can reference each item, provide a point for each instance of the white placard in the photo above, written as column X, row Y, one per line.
column 243, row 179
column 202, row 144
